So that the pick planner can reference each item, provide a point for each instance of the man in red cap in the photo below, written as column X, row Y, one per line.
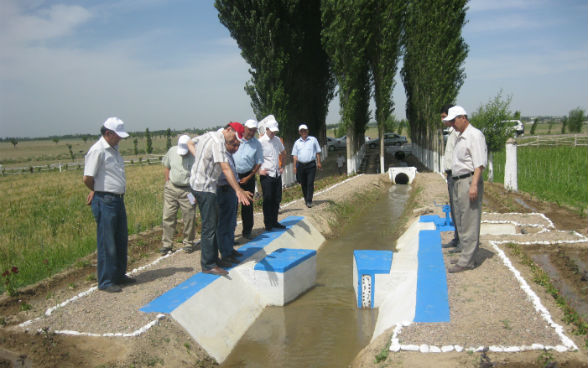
column 211, row 152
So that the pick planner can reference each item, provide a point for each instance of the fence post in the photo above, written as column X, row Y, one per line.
column 510, row 167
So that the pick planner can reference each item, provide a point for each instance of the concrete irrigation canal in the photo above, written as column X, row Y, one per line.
column 317, row 295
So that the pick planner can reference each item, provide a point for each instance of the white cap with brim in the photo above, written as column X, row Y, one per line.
column 183, row 145
column 251, row 124
column 302, row 127
column 454, row 112
column 273, row 126
column 117, row 126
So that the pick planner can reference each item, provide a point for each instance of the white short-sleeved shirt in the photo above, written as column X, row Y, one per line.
column 449, row 146
column 306, row 150
column 210, row 152
column 271, row 154
column 105, row 164
column 470, row 151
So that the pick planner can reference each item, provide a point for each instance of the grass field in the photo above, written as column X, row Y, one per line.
column 557, row 174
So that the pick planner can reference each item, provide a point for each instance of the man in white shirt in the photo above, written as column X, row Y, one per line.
column 470, row 157
column 306, row 154
column 104, row 175
column 447, row 162
column 270, row 173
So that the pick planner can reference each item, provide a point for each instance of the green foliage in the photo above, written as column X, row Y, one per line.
column 148, row 141
column 553, row 173
column 14, row 142
column 575, row 119
column 290, row 75
column 534, row 127
column 168, row 142
column 564, row 123
column 136, row 146
column 433, row 70
column 346, row 39
column 55, row 140
column 491, row 120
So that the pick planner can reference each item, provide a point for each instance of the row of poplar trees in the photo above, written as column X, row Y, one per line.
column 302, row 52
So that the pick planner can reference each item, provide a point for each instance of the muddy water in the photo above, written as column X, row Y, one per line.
column 323, row 327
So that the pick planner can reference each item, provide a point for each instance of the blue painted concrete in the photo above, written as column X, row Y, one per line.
column 283, row 259
column 432, row 303
column 173, row 298
column 371, row 262
column 441, row 223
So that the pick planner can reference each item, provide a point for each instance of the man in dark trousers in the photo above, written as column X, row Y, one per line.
column 248, row 160
column 104, row 175
column 306, row 154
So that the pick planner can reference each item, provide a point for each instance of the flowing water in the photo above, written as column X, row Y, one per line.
column 324, row 327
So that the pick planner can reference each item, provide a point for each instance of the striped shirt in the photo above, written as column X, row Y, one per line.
column 210, row 152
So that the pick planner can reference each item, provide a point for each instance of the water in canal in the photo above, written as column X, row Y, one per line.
column 324, row 327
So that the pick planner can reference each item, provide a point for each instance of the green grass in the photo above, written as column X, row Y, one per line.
column 553, row 173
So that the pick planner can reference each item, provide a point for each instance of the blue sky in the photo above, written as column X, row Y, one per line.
column 65, row 66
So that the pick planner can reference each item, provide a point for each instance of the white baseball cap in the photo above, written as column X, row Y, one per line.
column 454, row 112
column 183, row 145
column 252, row 124
column 302, row 126
column 273, row 126
column 117, row 126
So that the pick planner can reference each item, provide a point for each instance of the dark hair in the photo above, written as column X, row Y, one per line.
column 103, row 130
column 445, row 108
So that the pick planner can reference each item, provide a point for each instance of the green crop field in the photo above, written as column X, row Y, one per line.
column 553, row 173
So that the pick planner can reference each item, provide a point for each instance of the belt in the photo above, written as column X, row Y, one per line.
column 180, row 186
column 110, row 194
column 463, row 176
column 307, row 163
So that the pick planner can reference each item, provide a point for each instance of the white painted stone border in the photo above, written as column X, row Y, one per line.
column 143, row 329
column 567, row 343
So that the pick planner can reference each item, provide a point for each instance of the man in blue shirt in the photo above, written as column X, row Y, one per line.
column 248, row 160
column 307, row 157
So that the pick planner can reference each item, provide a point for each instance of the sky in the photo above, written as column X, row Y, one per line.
column 66, row 66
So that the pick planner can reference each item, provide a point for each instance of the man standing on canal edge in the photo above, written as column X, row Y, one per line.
column 307, row 157
column 447, row 161
column 104, row 175
column 211, row 158
column 248, row 160
column 177, row 194
column 469, row 160
column 270, row 174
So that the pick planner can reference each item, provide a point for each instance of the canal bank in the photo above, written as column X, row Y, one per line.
column 119, row 339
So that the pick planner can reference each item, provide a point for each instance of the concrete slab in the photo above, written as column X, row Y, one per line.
column 402, row 175
column 498, row 229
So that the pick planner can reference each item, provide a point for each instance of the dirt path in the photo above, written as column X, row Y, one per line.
column 145, row 339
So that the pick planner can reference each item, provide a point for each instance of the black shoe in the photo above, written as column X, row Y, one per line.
column 248, row 236
column 126, row 280
column 216, row 271
column 189, row 249
column 224, row 263
column 112, row 289
column 166, row 250
column 268, row 228
column 232, row 259
column 235, row 242
column 277, row 225
column 309, row 204
column 235, row 253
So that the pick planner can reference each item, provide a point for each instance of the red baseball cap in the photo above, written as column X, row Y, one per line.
column 238, row 127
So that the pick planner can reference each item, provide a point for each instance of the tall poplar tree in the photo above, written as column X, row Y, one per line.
column 346, row 38
column 290, row 72
column 385, row 25
column 433, row 72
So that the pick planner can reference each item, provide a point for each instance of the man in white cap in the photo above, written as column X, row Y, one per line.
column 306, row 154
column 447, row 162
column 470, row 157
column 248, row 160
column 178, row 162
column 104, row 175
column 270, row 173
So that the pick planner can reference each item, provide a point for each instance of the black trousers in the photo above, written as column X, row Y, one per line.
column 247, row 211
column 272, row 196
column 305, row 174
